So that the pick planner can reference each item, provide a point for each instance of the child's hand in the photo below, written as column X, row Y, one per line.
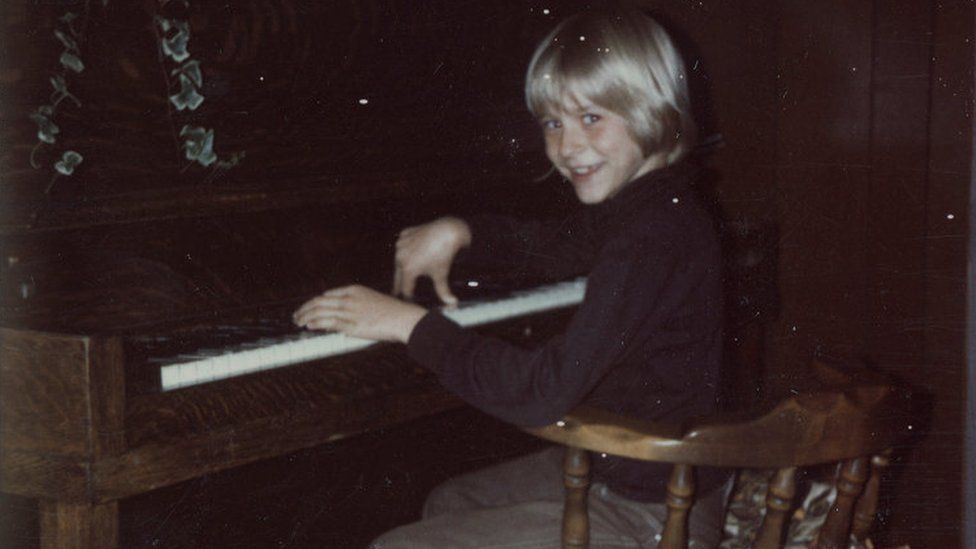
column 429, row 250
column 360, row 312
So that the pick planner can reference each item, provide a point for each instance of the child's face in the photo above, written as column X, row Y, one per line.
column 593, row 148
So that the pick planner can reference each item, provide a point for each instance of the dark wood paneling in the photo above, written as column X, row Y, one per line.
column 731, row 52
column 896, row 217
column 824, row 103
column 824, row 82
column 876, row 105
column 938, row 460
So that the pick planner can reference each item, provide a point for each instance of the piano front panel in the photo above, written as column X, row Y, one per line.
column 45, row 407
column 374, row 373
column 71, row 429
column 61, row 407
column 176, row 435
column 278, row 393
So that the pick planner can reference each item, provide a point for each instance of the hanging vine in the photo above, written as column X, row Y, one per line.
column 185, row 81
column 47, row 129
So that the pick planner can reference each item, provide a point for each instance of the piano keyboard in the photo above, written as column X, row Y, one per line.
column 213, row 365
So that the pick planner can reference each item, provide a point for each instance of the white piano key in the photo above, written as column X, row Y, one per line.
column 188, row 374
column 169, row 377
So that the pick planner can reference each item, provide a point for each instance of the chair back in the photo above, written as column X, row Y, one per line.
column 845, row 415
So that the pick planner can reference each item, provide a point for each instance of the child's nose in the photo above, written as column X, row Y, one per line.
column 571, row 142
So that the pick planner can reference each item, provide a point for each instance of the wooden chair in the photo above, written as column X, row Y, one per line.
column 845, row 416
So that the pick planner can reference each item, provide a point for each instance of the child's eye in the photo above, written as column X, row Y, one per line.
column 551, row 124
column 590, row 118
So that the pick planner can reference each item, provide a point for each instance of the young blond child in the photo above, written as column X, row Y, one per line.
column 609, row 90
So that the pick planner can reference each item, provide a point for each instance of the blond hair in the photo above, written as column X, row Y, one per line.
column 621, row 60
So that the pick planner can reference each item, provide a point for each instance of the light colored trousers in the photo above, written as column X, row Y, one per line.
column 519, row 504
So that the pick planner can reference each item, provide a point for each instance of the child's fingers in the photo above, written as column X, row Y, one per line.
column 408, row 283
column 330, row 323
column 324, row 317
column 404, row 240
column 443, row 290
column 397, row 278
column 319, row 306
column 343, row 291
column 303, row 310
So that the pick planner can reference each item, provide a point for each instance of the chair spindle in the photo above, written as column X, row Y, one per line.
column 779, row 499
column 576, row 478
column 867, row 504
column 850, row 483
column 681, row 494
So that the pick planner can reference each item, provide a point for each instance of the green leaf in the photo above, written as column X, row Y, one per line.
column 66, row 40
column 46, row 129
column 192, row 71
column 188, row 97
column 198, row 144
column 71, row 61
column 174, row 44
column 69, row 161
column 59, row 84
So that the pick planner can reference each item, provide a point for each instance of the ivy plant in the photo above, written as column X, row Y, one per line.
column 47, row 130
column 186, row 83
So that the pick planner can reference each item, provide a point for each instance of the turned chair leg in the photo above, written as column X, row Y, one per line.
column 867, row 504
column 681, row 493
column 779, row 499
column 79, row 526
column 576, row 478
column 837, row 526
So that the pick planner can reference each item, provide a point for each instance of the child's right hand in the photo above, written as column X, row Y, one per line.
column 429, row 250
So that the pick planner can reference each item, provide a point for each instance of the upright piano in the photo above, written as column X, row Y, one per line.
column 177, row 176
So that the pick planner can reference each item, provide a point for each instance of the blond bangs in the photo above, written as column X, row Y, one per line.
column 561, row 70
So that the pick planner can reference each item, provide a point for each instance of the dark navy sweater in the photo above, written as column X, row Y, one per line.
column 645, row 342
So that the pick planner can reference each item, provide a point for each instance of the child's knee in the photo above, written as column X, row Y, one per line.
column 443, row 498
column 402, row 537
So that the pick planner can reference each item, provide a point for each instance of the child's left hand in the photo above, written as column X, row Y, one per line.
column 361, row 312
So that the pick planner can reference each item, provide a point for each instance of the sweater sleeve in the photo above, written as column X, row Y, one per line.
column 629, row 291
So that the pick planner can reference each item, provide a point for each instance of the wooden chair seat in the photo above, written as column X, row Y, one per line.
column 840, row 415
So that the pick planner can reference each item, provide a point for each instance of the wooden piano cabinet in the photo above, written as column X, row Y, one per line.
column 62, row 405
column 79, row 525
column 71, row 438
